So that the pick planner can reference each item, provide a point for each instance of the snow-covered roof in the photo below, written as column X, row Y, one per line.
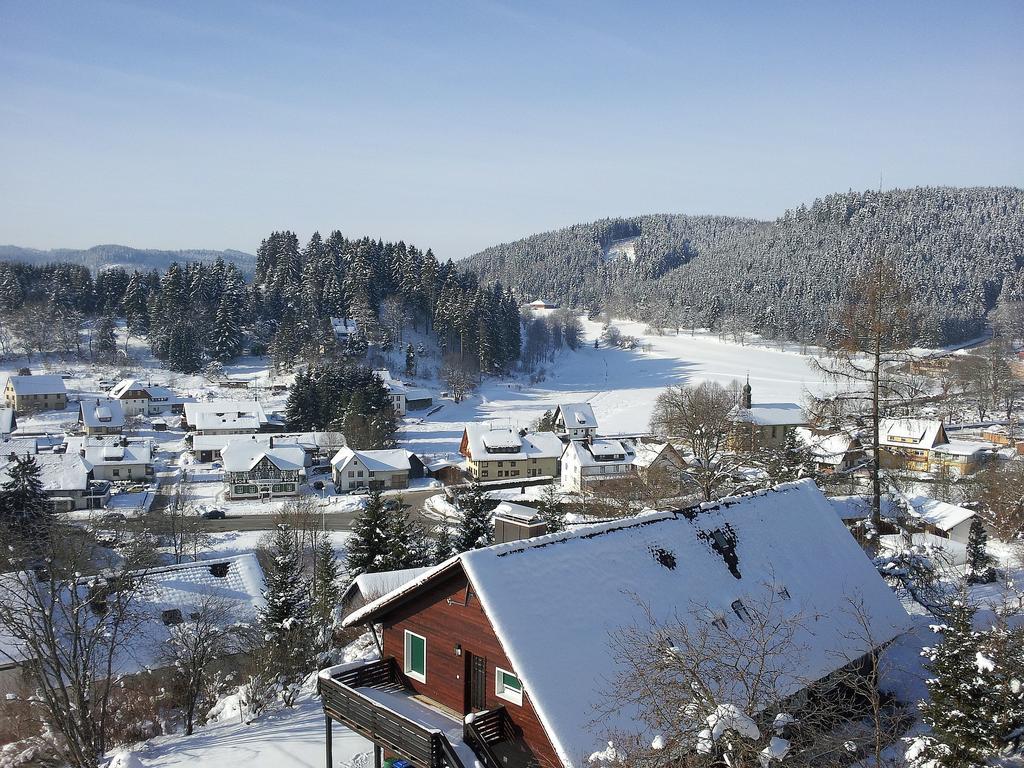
column 941, row 514
column 964, row 448
column 373, row 585
column 518, row 512
column 59, row 472
column 133, row 452
column 243, row 455
column 532, row 445
column 312, row 441
column 7, row 421
column 19, row 446
column 238, row 590
column 601, row 452
column 645, row 454
column 915, row 433
column 101, row 413
column 771, row 414
column 827, row 448
column 390, row 460
column 225, row 414
column 602, row 578
column 216, row 442
column 576, row 415
column 392, row 385
column 152, row 391
column 47, row 384
column 418, row 393
column 344, row 325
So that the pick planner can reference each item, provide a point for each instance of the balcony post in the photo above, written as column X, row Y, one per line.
column 330, row 743
column 378, row 756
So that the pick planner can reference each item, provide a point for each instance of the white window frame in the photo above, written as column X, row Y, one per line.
column 407, row 658
column 508, row 694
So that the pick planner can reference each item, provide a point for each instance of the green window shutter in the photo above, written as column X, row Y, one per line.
column 511, row 682
column 417, row 655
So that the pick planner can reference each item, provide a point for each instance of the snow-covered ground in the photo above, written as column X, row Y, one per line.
column 620, row 385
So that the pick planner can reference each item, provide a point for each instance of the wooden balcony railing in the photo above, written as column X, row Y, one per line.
column 424, row 747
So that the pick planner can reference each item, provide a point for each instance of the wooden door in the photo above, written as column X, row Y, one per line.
column 476, row 683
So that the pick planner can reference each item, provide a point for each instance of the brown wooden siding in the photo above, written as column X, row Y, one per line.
column 444, row 616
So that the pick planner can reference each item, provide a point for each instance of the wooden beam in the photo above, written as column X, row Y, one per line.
column 330, row 743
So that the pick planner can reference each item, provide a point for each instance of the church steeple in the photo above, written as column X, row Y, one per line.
column 745, row 401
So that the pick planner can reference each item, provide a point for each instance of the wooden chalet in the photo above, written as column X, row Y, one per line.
column 473, row 671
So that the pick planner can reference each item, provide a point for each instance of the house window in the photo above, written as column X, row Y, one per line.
column 116, row 472
column 371, row 474
column 416, row 656
column 507, row 686
column 485, row 473
column 501, row 463
column 360, row 473
column 351, row 473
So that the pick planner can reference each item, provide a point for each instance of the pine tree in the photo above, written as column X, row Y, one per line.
column 552, row 510
column 23, row 502
column 226, row 333
column 369, row 546
column 475, row 529
column 959, row 704
column 410, row 361
column 285, row 617
column 105, row 338
column 444, row 543
column 324, row 593
column 410, row 545
column 184, row 352
column 979, row 562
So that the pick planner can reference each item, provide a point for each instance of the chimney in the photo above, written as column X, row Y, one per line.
column 514, row 522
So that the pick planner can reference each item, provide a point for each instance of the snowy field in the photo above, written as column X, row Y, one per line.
column 620, row 385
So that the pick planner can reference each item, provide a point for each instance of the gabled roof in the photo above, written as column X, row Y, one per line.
column 38, row 385
column 152, row 391
column 942, row 515
column 600, row 452
column 225, row 414
column 390, row 460
column 95, row 413
column 373, row 585
column 575, row 415
column 598, row 579
column 243, row 455
column 827, row 448
column 392, row 385
column 59, row 472
column 912, row 433
column 216, row 442
column 532, row 445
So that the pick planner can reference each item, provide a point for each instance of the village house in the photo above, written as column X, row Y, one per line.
column 762, row 425
column 114, row 457
column 998, row 434
column 8, row 422
column 653, row 458
column 589, row 462
column 575, row 421
column 68, row 481
column 537, row 304
column 256, row 471
column 472, row 672
column 101, row 417
column 367, row 587
column 961, row 457
column 344, row 329
column 831, row 451
column 403, row 397
column 166, row 596
column 207, row 448
column 908, row 443
column 950, row 521
column 26, row 394
column 378, row 470
column 226, row 417
column 497, row 454
column 320, row 447
column 142, row 399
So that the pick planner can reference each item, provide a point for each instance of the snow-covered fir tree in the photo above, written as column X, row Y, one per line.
column 979, row 562
column 285, row 618
column 474, row 528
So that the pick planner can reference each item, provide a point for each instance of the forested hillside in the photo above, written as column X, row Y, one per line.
column 959, row 249
column 103, row 256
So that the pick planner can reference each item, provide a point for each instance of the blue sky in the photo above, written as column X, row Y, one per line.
column 456, row 125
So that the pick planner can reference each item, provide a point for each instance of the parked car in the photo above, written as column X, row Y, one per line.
column 360, row 491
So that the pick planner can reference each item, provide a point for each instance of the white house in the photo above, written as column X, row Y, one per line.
column 138, row 398
column 380, row 469
column 101, row 417
column 396, row 391
column 833, row 451
column 586, row 462
column 68, row 481
column 226, row 417
column 950, row 521
column 575, row 420
column 114, row 458
column 344, row 328
column 255, row 471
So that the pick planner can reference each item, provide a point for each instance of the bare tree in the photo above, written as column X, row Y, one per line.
column 1001, row 495
column 181, row 526
column 700, row 416
column 205, row 634
column 868, row 345
column 69, row 631
column 458, row 376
